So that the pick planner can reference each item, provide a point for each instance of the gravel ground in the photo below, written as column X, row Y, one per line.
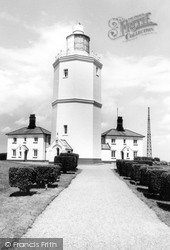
column 98, row 211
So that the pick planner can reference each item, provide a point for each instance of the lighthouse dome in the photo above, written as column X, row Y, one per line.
column 78, row 42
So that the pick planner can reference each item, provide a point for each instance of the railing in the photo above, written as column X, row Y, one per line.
column 78, row 52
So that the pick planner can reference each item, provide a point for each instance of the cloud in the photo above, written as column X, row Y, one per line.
column 151, row 72
column 8, row 17
column 6, row 129
column 26, row 75
column 165, row 122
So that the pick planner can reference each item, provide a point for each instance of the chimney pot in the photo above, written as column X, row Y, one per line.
column 120, row 124
column 32, row 121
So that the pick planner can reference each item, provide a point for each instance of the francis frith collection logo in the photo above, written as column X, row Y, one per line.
column 131, row 28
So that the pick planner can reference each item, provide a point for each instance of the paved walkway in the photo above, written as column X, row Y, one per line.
column 98, row 211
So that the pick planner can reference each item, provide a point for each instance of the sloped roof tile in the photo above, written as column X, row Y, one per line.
column 26, row 131
column 125, row 133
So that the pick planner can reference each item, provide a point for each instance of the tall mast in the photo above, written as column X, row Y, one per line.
column 149, row 143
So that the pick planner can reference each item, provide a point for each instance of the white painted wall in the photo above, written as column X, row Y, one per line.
column 30, row 144
column 128, row 148
column 83, row 119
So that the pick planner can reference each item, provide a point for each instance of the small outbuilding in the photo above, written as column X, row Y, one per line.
column 121, row 143
column 28, row 143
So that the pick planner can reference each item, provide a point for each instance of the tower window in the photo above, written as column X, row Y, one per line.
column 65, row 129
column 97, row 71
column 124, row 141
column 65, row 72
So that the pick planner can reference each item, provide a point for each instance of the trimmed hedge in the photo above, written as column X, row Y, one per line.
column 22, row 178
column 76, row 157
column 124, row 167
column 68, row 161
column 25, row 176
column 155, row 176
column 46, row 174
column 135, row 172
column 145, row 171
column 3, row 156
column 165, row 185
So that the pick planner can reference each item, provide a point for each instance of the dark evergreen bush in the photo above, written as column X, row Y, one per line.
column 46, row 174
column 68, row 162
column 144, row 179
column 135, row 172
column 165, row 185
column 155, row 180
column 22, row 177
column 76, row 157
column 3, row 156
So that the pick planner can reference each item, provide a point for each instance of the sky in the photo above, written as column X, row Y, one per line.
column 135, row 73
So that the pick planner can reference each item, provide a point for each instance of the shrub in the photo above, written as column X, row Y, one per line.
column 67, row 162
column 135, row 172
column 156, row 159
column 46, row 174
column 124, row 167
column 3, row 156
column 165, row 185
column 144, row 178
column 22, row 177
column 76, row 157
column 121, row 167
column 155, row 180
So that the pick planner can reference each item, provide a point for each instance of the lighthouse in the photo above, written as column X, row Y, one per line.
column 76, row 104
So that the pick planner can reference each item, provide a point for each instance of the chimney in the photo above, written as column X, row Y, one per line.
column 32, row 121
column 120, row 124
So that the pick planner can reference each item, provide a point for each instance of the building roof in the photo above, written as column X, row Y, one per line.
column 26, row 131
column 125, row 133
column 106, row 146
column 65, row 143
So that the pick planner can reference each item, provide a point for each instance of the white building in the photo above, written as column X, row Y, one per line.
column 121, row 143
column 76, row 106
column 28, row 143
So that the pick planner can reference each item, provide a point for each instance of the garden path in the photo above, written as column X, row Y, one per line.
column 98, row 211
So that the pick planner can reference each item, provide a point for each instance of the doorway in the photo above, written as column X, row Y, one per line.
column 25, row 155
column 122, row 155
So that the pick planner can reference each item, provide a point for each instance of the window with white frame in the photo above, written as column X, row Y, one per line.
column 97, row 71
column 35, row 139
column 14, row 140
column 65, row 129
column 25, row 140
column 35, row 153
column 113, row 153
column 135, row 142
column 65, row 73
column 113, row 141
column 14, row 152
column 135, row 154
column 127, row 155
column 124, row 141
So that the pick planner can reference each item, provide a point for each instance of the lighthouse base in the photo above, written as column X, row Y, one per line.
column 89, row 160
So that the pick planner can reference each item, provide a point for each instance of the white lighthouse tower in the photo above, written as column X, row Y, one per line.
column 76, row 106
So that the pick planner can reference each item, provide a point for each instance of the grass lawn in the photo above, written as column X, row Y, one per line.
column 17, row 210
column 161, row 208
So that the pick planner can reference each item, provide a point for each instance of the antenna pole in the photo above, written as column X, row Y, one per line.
column 149, row 144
